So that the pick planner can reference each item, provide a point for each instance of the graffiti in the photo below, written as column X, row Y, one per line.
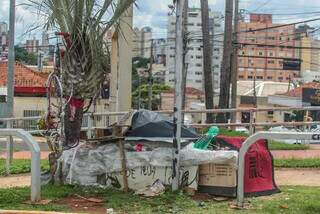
column 316, row 137
column 148, row 171
column 148, row 174
column 112, row 179
column 185, row 179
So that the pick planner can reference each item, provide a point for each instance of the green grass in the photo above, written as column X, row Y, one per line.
column 296, row 199
column 21, row 166
column 231, row 133
column 297, row 163
column 274, row 145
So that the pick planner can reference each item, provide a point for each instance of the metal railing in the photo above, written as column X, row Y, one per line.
column 103, row 120
column 252, row 140
column 35, row 158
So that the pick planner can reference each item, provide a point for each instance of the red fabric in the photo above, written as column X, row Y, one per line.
column 258, row 176
column 78, row 103
column 139, row 147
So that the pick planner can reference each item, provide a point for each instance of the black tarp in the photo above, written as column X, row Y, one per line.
column 150, row 125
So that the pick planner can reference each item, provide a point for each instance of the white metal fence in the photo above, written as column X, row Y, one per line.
column 103, row 120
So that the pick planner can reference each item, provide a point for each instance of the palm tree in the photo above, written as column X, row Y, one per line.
column 85, row 60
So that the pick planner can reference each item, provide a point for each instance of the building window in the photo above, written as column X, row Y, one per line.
column 260, row 77
column 198, row 65
column 280, row 78
column 199, row 57
column 270, row 61
column 241, row 76
column 260, row 53
column 199, row 24
column 198, row 73
column 250, row 77
column 269, row 78
column 270, row 53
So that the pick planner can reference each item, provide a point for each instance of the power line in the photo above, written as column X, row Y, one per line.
column 278, row 46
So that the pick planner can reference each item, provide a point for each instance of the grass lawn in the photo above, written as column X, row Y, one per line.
column 297, row 163
column 273, row 145
column 21, row 166
column 291, row 200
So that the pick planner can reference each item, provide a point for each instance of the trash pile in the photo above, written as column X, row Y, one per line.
column 148, row 146
column 208, row 163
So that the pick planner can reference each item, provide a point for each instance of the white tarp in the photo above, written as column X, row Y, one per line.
column 88, row 165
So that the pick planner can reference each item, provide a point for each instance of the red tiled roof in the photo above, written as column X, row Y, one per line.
column 189, row 90
column 24, row 76
column 297, row 92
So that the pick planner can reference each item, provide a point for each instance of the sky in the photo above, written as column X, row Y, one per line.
column 153, row 13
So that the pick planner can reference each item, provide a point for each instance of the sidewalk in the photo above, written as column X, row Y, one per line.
column 299, row 154
column 25, row 155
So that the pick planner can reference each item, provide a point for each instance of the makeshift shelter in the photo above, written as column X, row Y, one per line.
column 259, row 170
column 152, row 126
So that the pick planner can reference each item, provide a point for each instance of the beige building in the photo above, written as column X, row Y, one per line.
column 260, row 56
column 310, row 58
column 192, row 96
column 263, row 90
column 142, row 42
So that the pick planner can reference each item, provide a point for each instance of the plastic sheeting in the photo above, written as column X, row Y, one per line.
column 101, row 165
column 152, row 126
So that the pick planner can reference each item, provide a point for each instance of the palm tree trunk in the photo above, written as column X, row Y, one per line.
column 73, row 122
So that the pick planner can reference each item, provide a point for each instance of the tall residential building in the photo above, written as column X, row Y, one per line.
column 142, row 41
column 310, row 58
column 310, row 54
column 45, row 42
column 261, row 57
column 194, row 56
column 4, row 41
column 32, row 46
column 159, row 51
column 3, row 28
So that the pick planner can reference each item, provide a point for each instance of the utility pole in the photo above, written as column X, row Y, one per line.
column 10, row 81
column 225, row 77
column 207, row 59
column 178, row 96
column 150, row 79
column 185, row 52
column 234, row 71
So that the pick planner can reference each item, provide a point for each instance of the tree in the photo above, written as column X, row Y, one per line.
column 24, row 57
column 138, row 62
column 85, row 61
column 157, row 89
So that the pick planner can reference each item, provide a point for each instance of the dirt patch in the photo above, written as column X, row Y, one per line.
column 24, row 155
column 15, row 181
column 296, row 177
column 301, row 154
column 81, row 205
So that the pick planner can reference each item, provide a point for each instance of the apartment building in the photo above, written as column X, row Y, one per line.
column 194, row 56
column 262, row 58
column 32, row 45
column 159, row 51
column 142, row 42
